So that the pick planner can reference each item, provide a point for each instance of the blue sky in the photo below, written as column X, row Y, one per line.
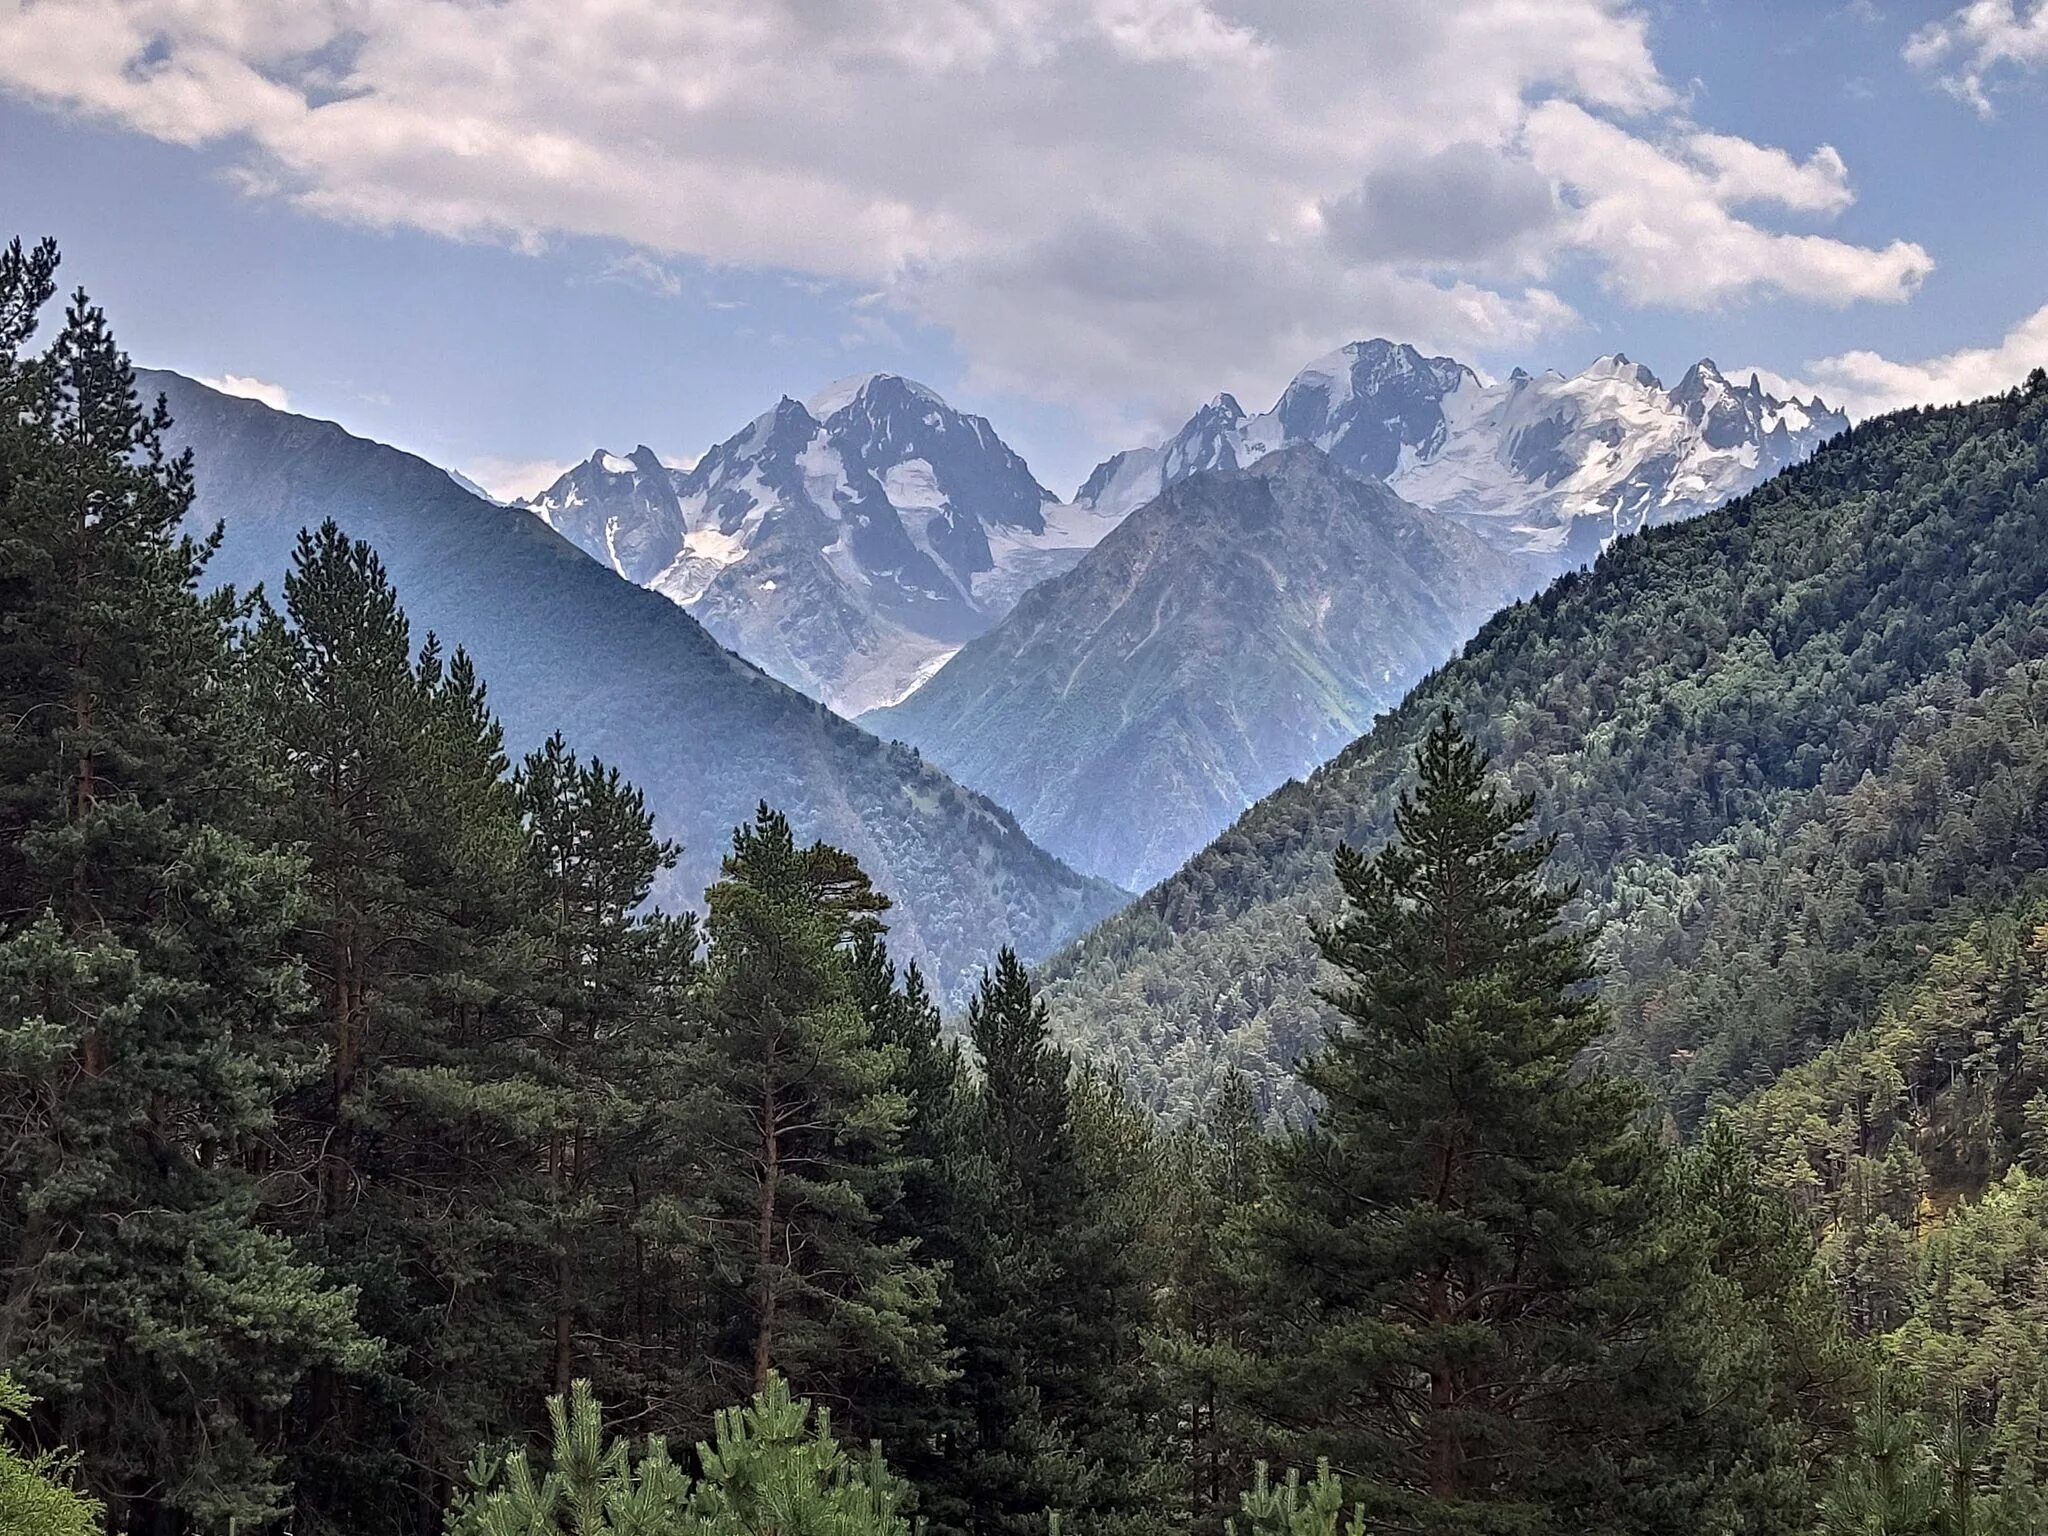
column 590, row 223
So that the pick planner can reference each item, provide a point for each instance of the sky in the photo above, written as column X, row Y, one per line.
column 503, row 234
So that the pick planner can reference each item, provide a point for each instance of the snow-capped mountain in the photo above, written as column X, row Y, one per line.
column 848, row 545
column 1544, row 463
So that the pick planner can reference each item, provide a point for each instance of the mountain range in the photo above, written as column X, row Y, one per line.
column 1542, row 463
column 870, row 547
column 1791, row 747
column 847, row 545
column 1235, row 631
column 627, row 675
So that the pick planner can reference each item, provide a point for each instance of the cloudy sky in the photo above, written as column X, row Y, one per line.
column 504, row 233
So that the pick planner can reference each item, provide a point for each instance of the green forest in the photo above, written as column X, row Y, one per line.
column 1788, row 748
column 1656, row 1141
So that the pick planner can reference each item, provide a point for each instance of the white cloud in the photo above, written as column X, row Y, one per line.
column 1743, row 172
column 272, row 395
column 1969, row 49
column 1661, row 218
column 643, row 271
column 1131, row 198
column 1865, row 383
column 511, row 479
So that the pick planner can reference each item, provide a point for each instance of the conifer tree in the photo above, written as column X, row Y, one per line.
column 38, row 1495
column 1215, row 1170
column 805, row 1152
column 613, row 1056
column 1458, row 1250
column 772, row 1465
column 402, row 1163
column 1052, row 1305
column 145, row 987
column 919, row 1419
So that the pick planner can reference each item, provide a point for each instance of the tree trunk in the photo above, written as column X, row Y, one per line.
column 564, row 1330
column 764, row 1234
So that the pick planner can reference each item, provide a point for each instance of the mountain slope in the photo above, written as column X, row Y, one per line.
column 847, row 545
column 626, row 675
column 1787, row 745
column 1542, row 463
column 1232, row 633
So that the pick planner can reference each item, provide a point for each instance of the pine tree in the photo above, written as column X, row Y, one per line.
column 1215, row 1173
column 806, row 1141
column 38, row 1496
column 772, row 1465
column 145, row 992
column 921, row 1420
column 612, row 1050
column 1457, row 1245
column 1053, row 1307
column 403, row 1162
column 1890, row 1483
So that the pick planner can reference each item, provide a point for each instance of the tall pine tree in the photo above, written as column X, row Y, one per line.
column 145, row 984
column 920, row 1419
column 1457, row 1253
column 402, row 1162
column 1052, row 1304
column 611, row 1046
column 1214, row 1175
column 807, row 1131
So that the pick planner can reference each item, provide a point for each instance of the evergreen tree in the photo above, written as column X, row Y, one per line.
column 1053, row 1307
column 1214, row 1175
column 806, row 1140
column 145, row 988
column 922, row 1422
column 403, row 1162
column 37, row 1496
column 772, row 1465
column 1890, row 1483
column 1455, row 1255
column 612, row 1051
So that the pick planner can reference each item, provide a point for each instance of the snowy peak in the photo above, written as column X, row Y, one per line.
column 620, row 509
column 1543, row 462
column 1365, row 405
column 847, row 544
column 888, row 387
column 1618, row 367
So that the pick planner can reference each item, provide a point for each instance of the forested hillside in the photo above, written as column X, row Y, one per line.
column 566, row 645
column 382, row 1158
column 1787, row 747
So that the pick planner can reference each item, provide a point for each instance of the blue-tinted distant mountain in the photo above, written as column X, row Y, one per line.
column 1234, row 632
column 847, row 545
column 626, row 674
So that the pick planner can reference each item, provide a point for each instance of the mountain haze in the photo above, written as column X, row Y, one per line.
column 626, row 675
column 1232, row 633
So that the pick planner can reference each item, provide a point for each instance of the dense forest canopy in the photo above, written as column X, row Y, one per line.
column 377, row 1159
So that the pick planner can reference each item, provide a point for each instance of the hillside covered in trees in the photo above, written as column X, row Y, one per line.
column 1786, row 746
column 378, row 1159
